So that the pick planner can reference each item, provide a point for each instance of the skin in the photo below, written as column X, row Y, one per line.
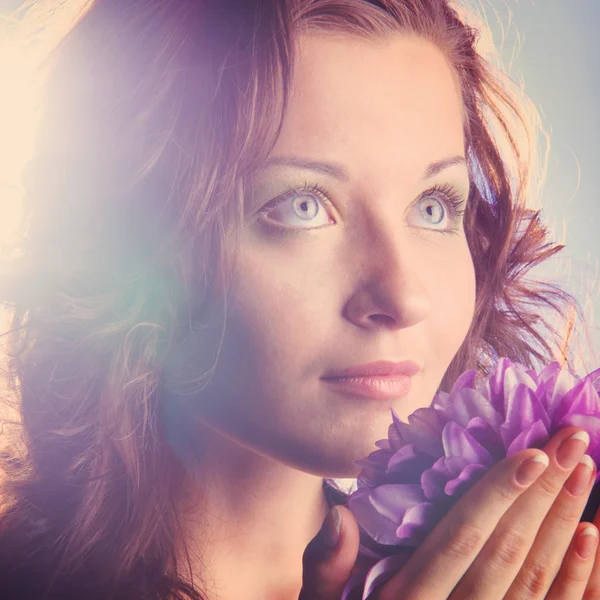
column 370, row 277
column 373, row 279
column 508, row 539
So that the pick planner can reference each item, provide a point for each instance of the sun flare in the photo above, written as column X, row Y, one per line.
column 18, row 116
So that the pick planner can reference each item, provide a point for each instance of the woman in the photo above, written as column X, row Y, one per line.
column 231, row 205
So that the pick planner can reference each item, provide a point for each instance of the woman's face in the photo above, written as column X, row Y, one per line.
column 352, row 253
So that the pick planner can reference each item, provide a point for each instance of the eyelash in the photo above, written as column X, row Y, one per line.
column 451, row 198
column 283, row 231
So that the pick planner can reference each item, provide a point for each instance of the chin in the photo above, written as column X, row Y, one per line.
column 328, row 463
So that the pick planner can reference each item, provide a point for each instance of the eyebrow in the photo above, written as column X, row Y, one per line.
column 339, row 172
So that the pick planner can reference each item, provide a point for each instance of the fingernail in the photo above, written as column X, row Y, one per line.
column 587, row 541
column 571, row 449
column 532, row 468
column 580, row 478
column 331, row 528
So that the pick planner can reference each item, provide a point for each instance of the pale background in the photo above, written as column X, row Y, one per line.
column 558, row 59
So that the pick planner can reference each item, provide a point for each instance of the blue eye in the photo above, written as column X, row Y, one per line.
column 302, row 209
column 435, row 210
column 305, row 207
column 299, row 206
column 442, row 203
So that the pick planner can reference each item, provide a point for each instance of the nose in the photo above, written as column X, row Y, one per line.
column 391, row 292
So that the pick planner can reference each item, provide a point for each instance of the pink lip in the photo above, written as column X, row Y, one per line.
column 379, row 368
column 379, row 388
column 380, row 380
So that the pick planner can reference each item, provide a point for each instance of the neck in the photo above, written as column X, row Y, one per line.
column 248, row 521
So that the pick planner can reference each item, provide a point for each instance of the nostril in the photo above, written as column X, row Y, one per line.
column 383, row 319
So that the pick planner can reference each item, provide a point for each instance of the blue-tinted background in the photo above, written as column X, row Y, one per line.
column 558, row 60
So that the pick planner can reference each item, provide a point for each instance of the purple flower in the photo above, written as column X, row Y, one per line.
column 408, row 484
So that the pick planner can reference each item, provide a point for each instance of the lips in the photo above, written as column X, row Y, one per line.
column 382, row 380
column 380, row 368
column 378, row 388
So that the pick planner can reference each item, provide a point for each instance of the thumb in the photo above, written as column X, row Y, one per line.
column 330, row 556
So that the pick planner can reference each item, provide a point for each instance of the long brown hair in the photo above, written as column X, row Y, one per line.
column 156, row 113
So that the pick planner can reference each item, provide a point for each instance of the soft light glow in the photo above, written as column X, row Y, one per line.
column 27, row 36
column 18, row 117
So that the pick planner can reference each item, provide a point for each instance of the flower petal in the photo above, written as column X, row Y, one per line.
column 549, row 371
column 369, row 477
column 557, row 387
column 383, row 444
column 409, row 464
column 494, row 386
column 441, row 401
column 594, row 377
column 458, row 442
column 468, row 477
column 582, row 399
column 534, row 437
column 417, row 523
column 423, row 430
column 415, row 476
column 355, row 584
column 434, row 479
column 383, row 571
column 379, row 511
column 523, row 410
column 507, row 376
column 455, row 465
column 488, row 436
column 466, row 380
column 468, row 404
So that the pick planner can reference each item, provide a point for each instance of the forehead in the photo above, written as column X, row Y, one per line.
column 395, row 94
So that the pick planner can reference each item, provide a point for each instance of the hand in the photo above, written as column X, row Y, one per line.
column 506, row 538
column 326, row 569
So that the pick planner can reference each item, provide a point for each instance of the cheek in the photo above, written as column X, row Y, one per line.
column 453, row 305
column 276, row 309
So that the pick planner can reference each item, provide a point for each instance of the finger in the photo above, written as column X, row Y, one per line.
column 326, row 567
column 507, row 550
column 573, row 576
column 556, row 532
column 448, row 551
column 592, row 590
column 555, row 535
